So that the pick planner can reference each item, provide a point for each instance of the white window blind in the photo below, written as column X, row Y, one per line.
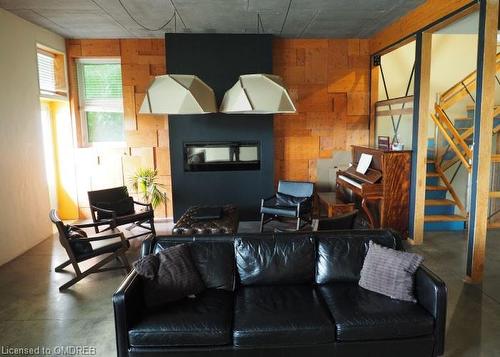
column 46, row 72
column 100, row 86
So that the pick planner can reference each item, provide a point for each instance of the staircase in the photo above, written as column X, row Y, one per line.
column 440, row 212
column 452, row 147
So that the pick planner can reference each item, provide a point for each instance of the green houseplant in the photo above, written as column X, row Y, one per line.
column 145, row 182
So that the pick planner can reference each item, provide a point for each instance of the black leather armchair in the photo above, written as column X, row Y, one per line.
column 293, row 200
column 115, row 206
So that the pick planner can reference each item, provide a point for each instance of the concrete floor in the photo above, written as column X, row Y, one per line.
column 33, row 312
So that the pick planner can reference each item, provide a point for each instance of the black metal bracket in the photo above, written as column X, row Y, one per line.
column 376, row 60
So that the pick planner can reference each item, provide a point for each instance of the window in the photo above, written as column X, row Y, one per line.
column 101, row 100
column 51, row 73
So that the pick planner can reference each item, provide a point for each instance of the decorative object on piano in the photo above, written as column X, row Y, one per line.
column 383, row 192
column 396, row 145
column 384, row 142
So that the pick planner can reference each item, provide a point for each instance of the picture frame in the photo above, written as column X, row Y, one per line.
column 384, row 142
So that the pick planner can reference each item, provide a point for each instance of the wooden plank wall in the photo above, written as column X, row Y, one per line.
column 146, row 135
column 329, row 81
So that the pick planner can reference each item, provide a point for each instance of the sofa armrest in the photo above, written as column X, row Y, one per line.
column 147, row 245
column 127, row 301
column 432, row 295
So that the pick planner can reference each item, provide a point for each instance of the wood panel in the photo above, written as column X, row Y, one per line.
column 329, row 82
column 422, row 16
column 146, row 135
column 420, row 132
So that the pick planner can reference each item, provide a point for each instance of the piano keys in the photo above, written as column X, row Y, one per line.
column 383, row 192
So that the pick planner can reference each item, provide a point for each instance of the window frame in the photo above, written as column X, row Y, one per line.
column 79, row 63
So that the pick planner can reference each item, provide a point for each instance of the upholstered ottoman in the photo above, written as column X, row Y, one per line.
column 193, row 222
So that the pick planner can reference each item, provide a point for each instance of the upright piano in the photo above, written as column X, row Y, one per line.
column 383, row 191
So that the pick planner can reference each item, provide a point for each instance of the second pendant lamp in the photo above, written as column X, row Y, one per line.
column 257, row 94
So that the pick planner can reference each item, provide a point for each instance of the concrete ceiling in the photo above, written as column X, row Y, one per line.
column 287, row 18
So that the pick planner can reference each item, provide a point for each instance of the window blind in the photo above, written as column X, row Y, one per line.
column 46, row 72
column 100, row 87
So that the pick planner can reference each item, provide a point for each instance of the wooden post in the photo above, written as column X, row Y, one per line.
column 374, row 77
column 421, row 115
column 483, row 126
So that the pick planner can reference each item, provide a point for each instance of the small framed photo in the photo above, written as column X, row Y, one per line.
column 384, row 142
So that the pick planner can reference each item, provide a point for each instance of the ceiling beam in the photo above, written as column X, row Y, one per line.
column 415, row 20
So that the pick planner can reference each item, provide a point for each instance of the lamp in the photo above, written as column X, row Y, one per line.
column 178, row 94
column 257, row 94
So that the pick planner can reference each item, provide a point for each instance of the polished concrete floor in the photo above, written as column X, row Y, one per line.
column 33, row 313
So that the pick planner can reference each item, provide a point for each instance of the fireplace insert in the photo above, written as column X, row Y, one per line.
column 222, row 156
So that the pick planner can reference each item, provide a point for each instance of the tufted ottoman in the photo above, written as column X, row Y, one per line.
column 189, row 225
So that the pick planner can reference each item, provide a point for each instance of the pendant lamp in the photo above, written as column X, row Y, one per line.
column 257, row 94
column 178, row 94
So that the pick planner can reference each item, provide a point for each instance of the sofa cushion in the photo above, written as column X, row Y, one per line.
column 277, row 259
column 205, row 320
column 280, row 316
column 362, row 315
column 341, row 254
column 213, row 258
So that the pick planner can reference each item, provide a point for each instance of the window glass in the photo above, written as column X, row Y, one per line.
column 101, row 100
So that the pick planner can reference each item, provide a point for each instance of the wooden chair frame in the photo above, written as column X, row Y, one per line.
column 118, row 254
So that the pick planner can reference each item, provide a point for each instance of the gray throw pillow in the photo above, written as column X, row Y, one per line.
column 390, row 272
column 176, row 277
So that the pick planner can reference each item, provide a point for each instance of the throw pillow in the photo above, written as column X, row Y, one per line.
column 390, row 272
column 78, row 245
column 176, row 278
column 122, row 207
column 147, row 266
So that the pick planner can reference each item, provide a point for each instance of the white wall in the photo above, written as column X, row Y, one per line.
column 24, row 197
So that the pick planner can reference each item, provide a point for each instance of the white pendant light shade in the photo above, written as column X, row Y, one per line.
column 258, row 94
column 178, row 94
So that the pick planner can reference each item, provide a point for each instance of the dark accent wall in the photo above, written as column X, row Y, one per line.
column 219, row 59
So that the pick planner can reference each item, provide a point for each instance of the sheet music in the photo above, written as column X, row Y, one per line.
column 364, row 162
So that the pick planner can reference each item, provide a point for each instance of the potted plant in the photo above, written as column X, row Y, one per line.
column 145, row 182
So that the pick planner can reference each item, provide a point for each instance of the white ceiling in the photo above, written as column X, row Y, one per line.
column 287, row 18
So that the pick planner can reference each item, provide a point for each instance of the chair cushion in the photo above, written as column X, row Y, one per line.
column 122, row 207
column 78, row 245
column 135, row 217
column 341, row 254
column 282, row 199
column 205, row 320
column 102, row 247
column 279, row 259
column 296, row 188
column 177, row 277
column 362, row 315
column 280, row 316
column 282, row 211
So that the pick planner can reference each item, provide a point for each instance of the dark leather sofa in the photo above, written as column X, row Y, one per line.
column 286, row 294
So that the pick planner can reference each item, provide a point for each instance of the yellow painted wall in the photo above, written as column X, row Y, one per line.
column 24, row 197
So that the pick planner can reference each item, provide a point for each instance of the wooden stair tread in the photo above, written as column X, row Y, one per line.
column 444, row 218
column 430, row 161
column 494, row 225
column 436, row 188
column 439, row 202
column 495, row 158
column 432, row 174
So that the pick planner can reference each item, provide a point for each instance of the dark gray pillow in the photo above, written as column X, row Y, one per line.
column 147, row 267
column 176, row 278
column 390, row 272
